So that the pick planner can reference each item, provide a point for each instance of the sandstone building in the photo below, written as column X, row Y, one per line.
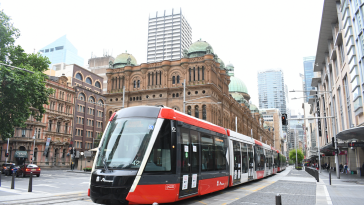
column 207, row 89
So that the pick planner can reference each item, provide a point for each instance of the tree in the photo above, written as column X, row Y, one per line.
column 22, row 92
column 97, row 140
column 292, row 155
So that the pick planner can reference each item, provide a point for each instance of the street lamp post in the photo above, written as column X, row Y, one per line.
column 35, row 133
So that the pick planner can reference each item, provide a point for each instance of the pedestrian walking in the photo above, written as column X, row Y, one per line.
column 328, row 167
column 341, row 168
column 346, row 169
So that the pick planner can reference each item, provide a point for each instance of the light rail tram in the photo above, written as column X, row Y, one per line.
column 156, row 154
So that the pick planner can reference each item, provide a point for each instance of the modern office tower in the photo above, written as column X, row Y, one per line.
column 61, row 51
column 308, row 63
column 271, row 91
column 169, row 34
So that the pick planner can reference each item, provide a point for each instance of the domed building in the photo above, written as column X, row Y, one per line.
column 208, row 85
column 122, row 60
column 237, row 87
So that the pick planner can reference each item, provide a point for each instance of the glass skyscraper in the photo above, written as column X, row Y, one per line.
column 308, row 70
column 271, row 91
column 169, row 34
column 61, row 51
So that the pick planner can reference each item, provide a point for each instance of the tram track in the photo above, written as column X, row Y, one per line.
column 62, row 198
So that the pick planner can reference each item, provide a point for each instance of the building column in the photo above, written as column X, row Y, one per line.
column 359, row 159
column 352, row 159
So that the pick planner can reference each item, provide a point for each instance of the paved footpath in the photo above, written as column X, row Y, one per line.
column 348, row 190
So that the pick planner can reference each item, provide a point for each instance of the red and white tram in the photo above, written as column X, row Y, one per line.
column 155, row 154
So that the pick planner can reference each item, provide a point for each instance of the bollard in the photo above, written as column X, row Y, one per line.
column 330, row 177
column 12, row 181
column 278, row 199
column 30, row 182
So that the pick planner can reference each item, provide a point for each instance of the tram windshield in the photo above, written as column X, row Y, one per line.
column 125, row 143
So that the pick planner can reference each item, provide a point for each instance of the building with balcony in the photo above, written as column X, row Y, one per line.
column 339, row 82
column 52, row 135
column 169, row 34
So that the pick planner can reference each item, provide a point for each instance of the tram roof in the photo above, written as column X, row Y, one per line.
column 169, row 113
column 240, row 137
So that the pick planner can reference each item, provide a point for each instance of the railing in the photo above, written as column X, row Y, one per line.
column 61, row 129
column 313, row 172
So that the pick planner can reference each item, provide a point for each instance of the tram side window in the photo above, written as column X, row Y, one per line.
column 160, row 156
column 220, row 154
column 259, row 163
column 207, row 155
column 262, row 159
column 250, row 155
column 244, row 154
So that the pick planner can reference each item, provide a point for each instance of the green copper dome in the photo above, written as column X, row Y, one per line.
column 237, row 85
column 122, row 60
column 222, row 64
column 199, row 48
column 252, row 107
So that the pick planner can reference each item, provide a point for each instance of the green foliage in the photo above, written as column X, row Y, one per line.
column 292, row 155
column 87, row 169
column 21, row 93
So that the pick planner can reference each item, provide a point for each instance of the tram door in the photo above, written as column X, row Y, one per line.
column 251, row 162
column 237, row 162
column 189, row 162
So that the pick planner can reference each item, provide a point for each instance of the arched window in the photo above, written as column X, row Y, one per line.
column 203, row 73
column 89, row 81
column 189, row 110
column 198, row 73
column 204, row 112
column 110, row 113
column 194, row 74
column 91, row 99
column 174, row 80
column 97, row 84
column 134, row 83
column 190, row 74
column 173, row 95
column 177, row 95
column 138, row 84
column 196, row 112
column 78, row 76
column 177, row 79
column 81, row 96
column 101, row 102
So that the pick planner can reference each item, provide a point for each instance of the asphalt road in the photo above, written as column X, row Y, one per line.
column 62, row 187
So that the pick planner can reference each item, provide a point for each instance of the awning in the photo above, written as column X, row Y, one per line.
column 21, row 154
column 328, row 150
column 356, row 133
column 93, row 150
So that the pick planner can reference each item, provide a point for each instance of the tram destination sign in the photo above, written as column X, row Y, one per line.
column 356, row 144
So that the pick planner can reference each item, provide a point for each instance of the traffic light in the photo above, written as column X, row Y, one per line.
column 6, row 154
column 71, row 151
column 284, row 119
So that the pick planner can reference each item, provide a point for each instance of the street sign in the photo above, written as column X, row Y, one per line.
column 356, row 144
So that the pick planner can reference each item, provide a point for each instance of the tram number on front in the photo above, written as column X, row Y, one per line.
column 173, row 129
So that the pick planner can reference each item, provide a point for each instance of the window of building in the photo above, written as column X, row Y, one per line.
column 81, row 96
column 91, row 99
column 101, row 102
column 97, row 84
column 189, row 110
column 347, row 92
column 177, row 79
column 204, row 112
column 196, row 112
column 59, row 48
column 52, row 49
column 173, row 79
column 89, row 81
column 78, row 76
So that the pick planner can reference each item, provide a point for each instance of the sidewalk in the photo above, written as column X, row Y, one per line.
column 348, row 189
column 78, row 171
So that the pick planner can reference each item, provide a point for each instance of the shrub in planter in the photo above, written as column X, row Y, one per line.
column 87, row 169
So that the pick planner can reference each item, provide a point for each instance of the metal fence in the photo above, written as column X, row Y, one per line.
column 313, row 172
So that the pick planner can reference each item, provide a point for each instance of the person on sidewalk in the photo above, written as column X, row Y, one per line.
column 328, row 167
column 346, row 168
column 341, row 168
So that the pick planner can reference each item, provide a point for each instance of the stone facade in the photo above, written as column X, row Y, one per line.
column 56, row 124
column 207, row 92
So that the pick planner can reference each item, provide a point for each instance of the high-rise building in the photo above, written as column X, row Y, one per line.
column 61, row 51
column 308, row 75
column 169, row 34
column 271, row 91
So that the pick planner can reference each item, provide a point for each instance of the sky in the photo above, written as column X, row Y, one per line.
column 252, row 35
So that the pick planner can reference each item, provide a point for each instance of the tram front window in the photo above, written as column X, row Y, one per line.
column 125, row 143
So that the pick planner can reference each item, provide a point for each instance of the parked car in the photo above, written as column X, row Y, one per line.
column 10, row 169
column 27, row 168
column 3, row 167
